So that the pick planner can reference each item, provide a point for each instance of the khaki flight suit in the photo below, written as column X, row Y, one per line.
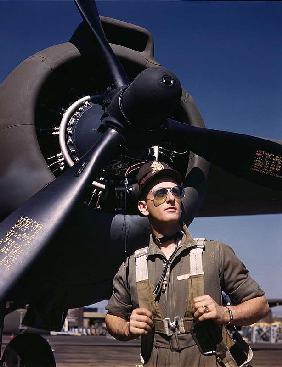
column 223, row 272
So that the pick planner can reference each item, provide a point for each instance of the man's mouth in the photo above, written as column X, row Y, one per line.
column 171, row 208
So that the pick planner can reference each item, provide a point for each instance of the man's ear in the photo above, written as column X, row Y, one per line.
column 142, row 206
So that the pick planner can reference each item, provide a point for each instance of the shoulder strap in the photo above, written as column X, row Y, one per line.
column 144, row 288
column 195, row 289
column 141, row 264
column 196, row 257
column 196, row 276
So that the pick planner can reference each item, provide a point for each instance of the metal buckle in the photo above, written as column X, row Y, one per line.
column 173, row 327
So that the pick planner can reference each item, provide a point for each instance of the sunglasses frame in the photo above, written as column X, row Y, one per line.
column 168, row 190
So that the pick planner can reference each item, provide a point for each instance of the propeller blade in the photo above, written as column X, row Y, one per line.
column 253, row 158
column 26, row 232
column 89, row 13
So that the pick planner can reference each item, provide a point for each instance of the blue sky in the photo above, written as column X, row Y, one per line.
column 227, row 54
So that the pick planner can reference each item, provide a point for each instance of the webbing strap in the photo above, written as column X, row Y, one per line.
column 196, row 278
column 196, row 289
column 146, row 298
column 141, row 264
column 196, row 262
column 144, row 288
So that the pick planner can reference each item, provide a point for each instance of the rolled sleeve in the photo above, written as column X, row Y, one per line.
column 235, row 278
column 120, row 302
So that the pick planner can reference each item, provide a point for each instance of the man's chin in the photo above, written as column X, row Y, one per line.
column 168, row 219
column 172, row 219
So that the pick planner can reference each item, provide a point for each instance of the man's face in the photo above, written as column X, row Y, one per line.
column 168, row 211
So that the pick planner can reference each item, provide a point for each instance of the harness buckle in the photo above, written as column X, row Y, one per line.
column 173, row 327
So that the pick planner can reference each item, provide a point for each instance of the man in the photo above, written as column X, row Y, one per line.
column 167, row 291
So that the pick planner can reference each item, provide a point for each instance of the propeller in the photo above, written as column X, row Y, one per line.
column 89, row 13
column 253, row 158
column 151, row 97
column 26, row 232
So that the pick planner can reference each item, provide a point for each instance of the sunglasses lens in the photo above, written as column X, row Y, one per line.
column 160, row 196
column 178, row 192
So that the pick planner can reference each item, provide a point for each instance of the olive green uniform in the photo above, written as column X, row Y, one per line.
column 223, row 271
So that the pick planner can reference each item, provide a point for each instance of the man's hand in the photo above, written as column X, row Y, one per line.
column 205, row 308
column 141, row 322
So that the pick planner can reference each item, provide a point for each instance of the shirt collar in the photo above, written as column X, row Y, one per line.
column 186, row 242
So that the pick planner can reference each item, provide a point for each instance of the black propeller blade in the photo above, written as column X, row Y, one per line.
column 26, row 232
column 255, row 159
column 88, row 10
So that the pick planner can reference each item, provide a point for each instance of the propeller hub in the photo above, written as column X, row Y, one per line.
column 152, row 97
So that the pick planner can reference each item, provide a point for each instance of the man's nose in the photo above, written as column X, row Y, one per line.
column 170, row 197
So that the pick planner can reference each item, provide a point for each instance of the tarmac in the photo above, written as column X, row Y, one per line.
column 104, row 351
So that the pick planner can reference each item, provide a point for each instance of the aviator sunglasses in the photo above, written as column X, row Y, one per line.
column 160, row 195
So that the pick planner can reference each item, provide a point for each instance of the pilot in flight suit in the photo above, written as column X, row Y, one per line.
column 163, row 291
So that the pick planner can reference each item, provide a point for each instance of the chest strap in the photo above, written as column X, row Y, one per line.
column 180, row 325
